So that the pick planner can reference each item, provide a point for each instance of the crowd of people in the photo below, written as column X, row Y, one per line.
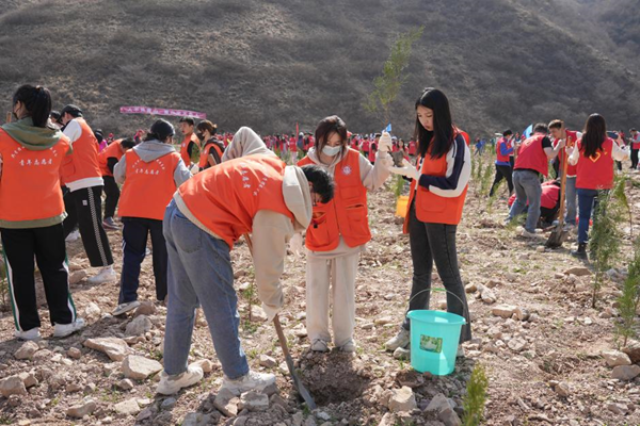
column 198, row 193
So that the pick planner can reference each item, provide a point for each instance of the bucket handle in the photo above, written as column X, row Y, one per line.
column 465, row 306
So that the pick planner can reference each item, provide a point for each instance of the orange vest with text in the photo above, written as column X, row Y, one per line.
column 226, row 198
column 595, row 172
column 346, row 214
column 30, row 180
column 114, row 150
column 184, row 148
column 83, row 162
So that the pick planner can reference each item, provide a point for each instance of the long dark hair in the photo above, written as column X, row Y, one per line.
column 37, row 102
column 439, row 141
column 595, row 132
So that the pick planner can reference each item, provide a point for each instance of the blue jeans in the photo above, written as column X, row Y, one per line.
column 527, row 186
column 587, row 204
column 200, row 273
column 570, row 200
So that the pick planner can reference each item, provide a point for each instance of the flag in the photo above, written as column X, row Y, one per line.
column 297, row 130
column 388, row 128
column 528, row 130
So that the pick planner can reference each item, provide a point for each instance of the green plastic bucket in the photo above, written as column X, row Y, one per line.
column 434, row 341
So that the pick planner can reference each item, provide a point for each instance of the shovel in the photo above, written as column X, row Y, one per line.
column 297, row 383
column 558, row 235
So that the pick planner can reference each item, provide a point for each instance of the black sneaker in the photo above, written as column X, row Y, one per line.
column 581, row 252
column 108, row 223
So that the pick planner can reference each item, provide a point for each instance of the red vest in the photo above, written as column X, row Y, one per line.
column 346, row 214
column 83, row 161
column 226, row 198
column 204, row 155
column 531, row 155
column 372, row 151
column 148, row 187
column 499, row 157
column 114, row 150
column 572, row 138
column 465, row 136
column 293, row 145
column 365, row 145
column 596, row 172
column 412, row 147
column 184, row 148
column 30, row 180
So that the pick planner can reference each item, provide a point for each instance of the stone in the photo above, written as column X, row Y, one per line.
column 205, row 364
column 258, row 314
column 147, row 307
column 12, row 385
column 227, row 403
column 125, row 384
column 297, row 418
column 444, row 411
column 28, row 379
column 85, row 408
column 470, row 288
column 633, row 350
column 168, row 404
column 267, row 361
column 116, row 349
column 615, row 358
column 521, row 314
column 402, row 399
column 138, row 326
column 77, row 276
column 488, row 297
column 74, row 353
column 517, row 345
column 139, row 368
column 383, row 321
column 495, row 283
column 626, row 372
column 578, row 271
column 92, row 312
column 562, row 388
column 26, row 351
column 254, row 401
column 198, row 419
column 128, row 407
column 504, row 311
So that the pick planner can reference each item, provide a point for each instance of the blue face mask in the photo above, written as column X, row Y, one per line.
column 331, row 151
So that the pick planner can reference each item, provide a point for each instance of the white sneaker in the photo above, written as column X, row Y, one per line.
column 400, row 340
column 125, row 307
column 172, row 384
column 535, row 234
column 350, row 346
column 33, row 334
column 319, row 345
column 248, row 382
column 73, row 236
column 64, row 330
column 106, row 275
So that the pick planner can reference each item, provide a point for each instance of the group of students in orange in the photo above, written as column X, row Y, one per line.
column 195, row 219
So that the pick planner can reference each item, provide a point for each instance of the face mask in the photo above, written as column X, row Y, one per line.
column 331, row 150
column 200, row 136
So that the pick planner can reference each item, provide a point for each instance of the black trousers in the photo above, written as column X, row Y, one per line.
column 634, row 158
column 502, row 172
column 135, row 234
column 47, row 246
column 87, row 215
column 112, row 192
column 436, row 243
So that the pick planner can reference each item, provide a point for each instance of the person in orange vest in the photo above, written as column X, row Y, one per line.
column 531, row 162
column 437, row 195
column 150, row 174
column 504, row 148
column 212, row 149
column 594, row 155
column 293, row 149
column 107, row 160
column 251, row 191
column 364, row 146
column 559, row 132
column 338, row 233
column 82, row 176
column 31, row 215
column 189, row 142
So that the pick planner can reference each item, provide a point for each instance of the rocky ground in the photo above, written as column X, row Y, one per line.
column 549, row 357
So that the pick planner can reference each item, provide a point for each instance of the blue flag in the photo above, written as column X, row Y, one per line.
column 528, row 130
column 388, row 128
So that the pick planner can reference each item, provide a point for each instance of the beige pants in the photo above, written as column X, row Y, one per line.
column 340, row 272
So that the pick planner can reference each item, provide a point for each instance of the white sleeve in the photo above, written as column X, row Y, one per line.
column 73, row 131
column 619, row 153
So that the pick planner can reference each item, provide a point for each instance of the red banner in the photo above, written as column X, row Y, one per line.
column 162, row 111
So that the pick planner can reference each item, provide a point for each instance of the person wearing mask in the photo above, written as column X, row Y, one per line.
column 531, row 162
column 212, row 148
column 189, row 141
column 559, row 132
column 150, row 174
column 251, row 191
column 107, row 160
column 81, row 174
column 437, row 195
column 31, row 215
column 54, row 120
column 635, row 146
column 504, row 148
column 594, row 155
column 338, row 233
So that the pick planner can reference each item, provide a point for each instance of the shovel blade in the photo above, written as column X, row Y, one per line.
column 556, row 239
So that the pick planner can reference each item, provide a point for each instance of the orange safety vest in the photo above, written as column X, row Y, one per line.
column 432, row 208
column 114, row 150
column 204, row 155
column 226, row 198
column 595, row 172
column 83, row 161
column 148, row 187
column 30, row 180
column 346, row 214
column 184, row 148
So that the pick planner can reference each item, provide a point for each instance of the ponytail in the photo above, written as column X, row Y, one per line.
column 37, row 102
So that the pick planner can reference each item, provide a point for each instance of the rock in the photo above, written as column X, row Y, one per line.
column 383, row 321
column 125, row 384
column 633, row 350
column 77, row 276
column 626, row 372
column 199, row 419
column 470, row 288
column 617, row 408
column 85, row 408
column 488, row 297
column 445, row 413
column 402, row 400
column 28, row 379
column 147, row 307
column 138, row 367
column 116, row 349
column 92, row 312
column 267, row 361
column 74, row 353
column 504, row 311
column 26, row 351
column 128, row 407
column 168, row 404
column 521, row 314
column 494, row 283
column 540, row 249
column 578, row 271
column 205, row 364
column 562, row 388
column 12, row 385
column 257, row 314
column 227, row 403
column 254, row 401
column 517, row 345
column 138, row 326
column 615, row 358
column 297, row 418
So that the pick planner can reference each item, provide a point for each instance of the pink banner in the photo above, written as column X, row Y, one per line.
column 161, row 111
